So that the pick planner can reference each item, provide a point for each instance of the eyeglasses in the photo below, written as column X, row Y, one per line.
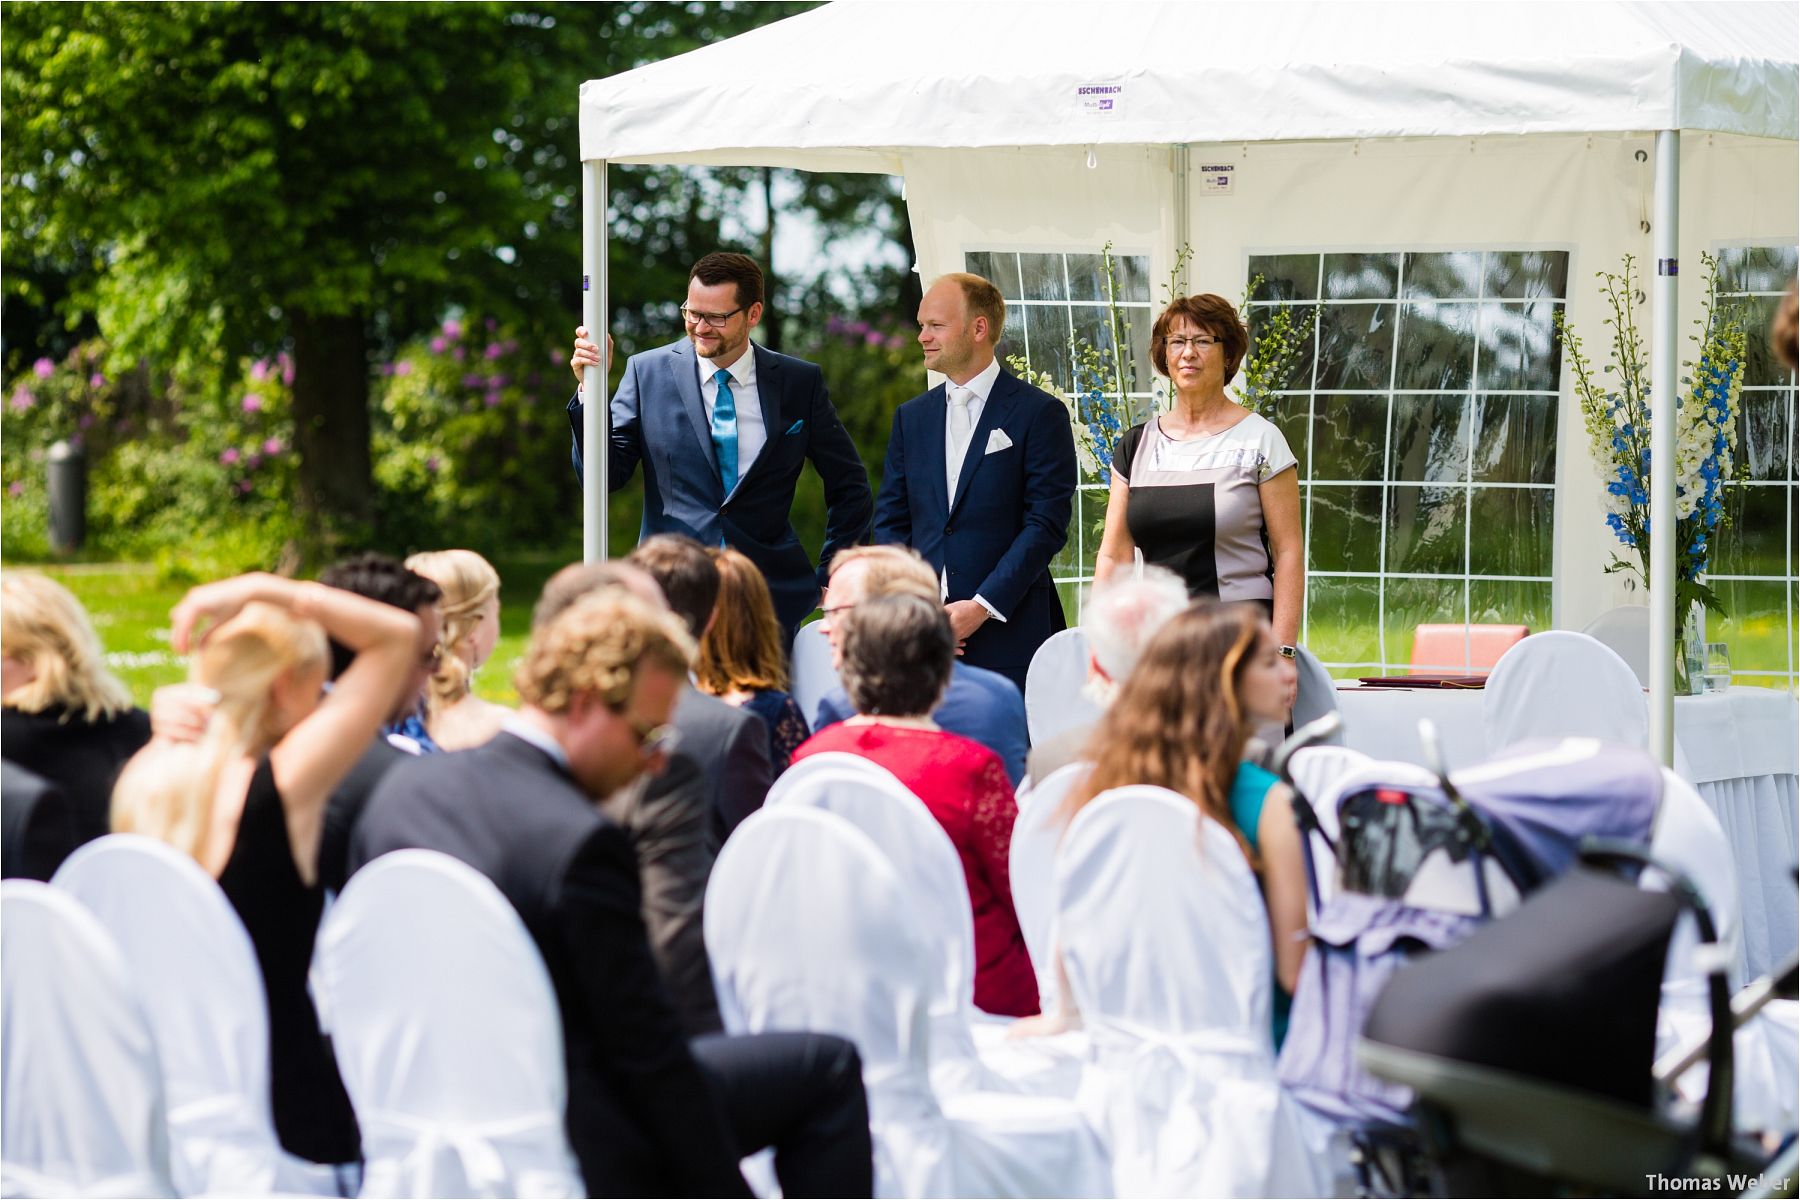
column 653, row 740
column 714, row 320
column 826, row 614
column 1178, row 344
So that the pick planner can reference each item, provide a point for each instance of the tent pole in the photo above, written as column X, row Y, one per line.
column 1665, row 226
column 596, row 412
column 1184, row 220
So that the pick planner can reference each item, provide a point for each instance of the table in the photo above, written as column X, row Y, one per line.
column 1739, row 748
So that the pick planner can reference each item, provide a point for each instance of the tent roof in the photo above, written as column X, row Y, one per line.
column 851, row 85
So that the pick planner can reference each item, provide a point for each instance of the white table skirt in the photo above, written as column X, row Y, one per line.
column 1740, row 749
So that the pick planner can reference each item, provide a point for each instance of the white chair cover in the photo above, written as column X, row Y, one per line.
column 1561, row 684
column 809, row 926
column 828, row 761
column 898, row 822
column 1625, row 631
column 196, row 974
column 1031, row 864
column 1165, row 939
column 812, row 674
column 1054, row 700
column 82, row 1104
column 446, row 1030
column 1317, row 693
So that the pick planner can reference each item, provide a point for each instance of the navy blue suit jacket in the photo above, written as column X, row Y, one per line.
column 659, row 417
column 982, row 706
column 1009, row 517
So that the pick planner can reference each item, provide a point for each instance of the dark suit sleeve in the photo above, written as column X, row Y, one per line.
column 642, row 1053
column 893, row 515
column 848, row 501
column 676, row 839
column 625, row 445
column 1050, row 475
column 748, row 775
column 1011, row 736
column 39, row 826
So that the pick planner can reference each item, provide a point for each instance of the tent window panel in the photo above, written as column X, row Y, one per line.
column 1362, row 276
column 1286, row 277
column 1765, row 435
column 1356, row 347
column 1761, row 367
column 1527, row 275
column 1435, row 349
column 1755, row 540
column 1300, row 373
column 1290, row 415
column 1514, row 439
column 1346, row 528
column 1510, row 531
column 1519, row 350
column 1410, row 603
column 1510, row 602
column 1749, row 269
column 1343, row 620
column 1044, row 277
column 998, row 267
column 1425, row 530
column 1349, row 437
column 1759, row 630
column 1452, row 276
column 1430, row 439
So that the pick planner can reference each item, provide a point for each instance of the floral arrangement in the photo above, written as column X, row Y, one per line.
column 1274, row 352
column 1615, row 407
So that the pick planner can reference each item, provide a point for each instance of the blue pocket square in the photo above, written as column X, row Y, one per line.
column 795, row 427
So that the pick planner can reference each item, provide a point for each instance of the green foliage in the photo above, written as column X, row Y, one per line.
column 1276, row 348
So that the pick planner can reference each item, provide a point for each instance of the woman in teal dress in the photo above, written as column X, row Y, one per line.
column 1180, row 721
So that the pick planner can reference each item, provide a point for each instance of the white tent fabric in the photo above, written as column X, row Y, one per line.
column 926, row 860
column 446, row 1030
column 1165, row 940
column 1031, row 865
column 83, row 1102
column 196, row 975
column 809, row 926
column 860, row 82
column 1054, row 700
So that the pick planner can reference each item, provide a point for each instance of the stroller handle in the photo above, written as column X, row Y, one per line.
column 1309, row 734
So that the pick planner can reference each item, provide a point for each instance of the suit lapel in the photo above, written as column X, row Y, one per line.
column 999, row 406
column 931, row 460
column 687, row 386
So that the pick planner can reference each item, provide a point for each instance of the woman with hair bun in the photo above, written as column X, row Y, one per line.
column 66, row 717
column 1208, row 489
column 455, row 716
column 247, row 800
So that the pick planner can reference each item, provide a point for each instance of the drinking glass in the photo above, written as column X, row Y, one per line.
column 1718, row 666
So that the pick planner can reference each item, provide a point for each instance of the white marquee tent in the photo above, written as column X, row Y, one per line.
column 1591, row 129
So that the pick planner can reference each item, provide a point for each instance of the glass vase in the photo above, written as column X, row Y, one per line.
column 1690, row 652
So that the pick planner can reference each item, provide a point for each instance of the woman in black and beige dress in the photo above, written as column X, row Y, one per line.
column 1208, row 489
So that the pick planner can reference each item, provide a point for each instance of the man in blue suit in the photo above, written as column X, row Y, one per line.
column 722, row 427
column 980, row 479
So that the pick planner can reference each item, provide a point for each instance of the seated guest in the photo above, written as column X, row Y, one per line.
column 1181, row 721
column 897, row 651
column 248, row 799
column 649, row 1113
column 384, row 578
column 66, row 717
column 982, row 706
column 37, row 828
column 455, row 717
column 1121, row 616
column 669, row 818
column 731, row 745
column 741, row 660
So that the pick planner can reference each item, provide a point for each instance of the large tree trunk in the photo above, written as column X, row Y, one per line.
column 331, row 416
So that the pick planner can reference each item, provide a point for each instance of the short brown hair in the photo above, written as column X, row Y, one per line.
column 1211, row 314
column 596, row 647
column 722, row 266
column 982, row 299
column 891, row 569
column 577, row 580
column 898, row 653
column 686, row 574
column 742, row 648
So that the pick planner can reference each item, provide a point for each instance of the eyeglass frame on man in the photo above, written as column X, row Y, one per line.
column 653, row 740
column 710, row 320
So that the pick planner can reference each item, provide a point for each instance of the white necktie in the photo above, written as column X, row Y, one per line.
column 962, row 427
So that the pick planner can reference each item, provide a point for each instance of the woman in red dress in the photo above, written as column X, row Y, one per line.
column 897, row 652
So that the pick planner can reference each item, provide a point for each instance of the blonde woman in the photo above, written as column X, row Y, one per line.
column 66, row 717
column 741, row 659
column 247, row 800
column 455, row 717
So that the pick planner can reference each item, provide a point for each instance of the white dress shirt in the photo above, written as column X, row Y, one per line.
column 750, row 431
column 979, row 389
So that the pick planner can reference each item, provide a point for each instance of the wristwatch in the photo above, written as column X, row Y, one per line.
column 1288, row 651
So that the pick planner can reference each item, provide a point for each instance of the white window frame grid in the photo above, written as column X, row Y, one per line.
column 1467, row 486
column 1138, row 399
column 1791, row 580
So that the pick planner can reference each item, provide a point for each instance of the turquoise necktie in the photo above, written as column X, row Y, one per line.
column 724, row 430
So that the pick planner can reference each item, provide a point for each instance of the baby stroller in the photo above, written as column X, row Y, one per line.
column 1420, row 867
column 1529, row 1047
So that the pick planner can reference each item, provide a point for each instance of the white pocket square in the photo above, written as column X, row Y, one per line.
column 997, row 440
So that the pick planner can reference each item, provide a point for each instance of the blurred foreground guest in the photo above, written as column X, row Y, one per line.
column 65, row 717
column 731, row 745
column 1181, row 721
column 455, row 717
column 741, row 659
column 648, row 1113
column 1121, row 617
column 37, row 829
column 385, row 578
column 248, row 799
column 982, row 706
column 897, row 651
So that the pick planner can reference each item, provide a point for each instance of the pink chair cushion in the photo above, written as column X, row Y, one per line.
column 1442, row 647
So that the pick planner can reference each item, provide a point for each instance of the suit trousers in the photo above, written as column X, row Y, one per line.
column 801, row 1093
